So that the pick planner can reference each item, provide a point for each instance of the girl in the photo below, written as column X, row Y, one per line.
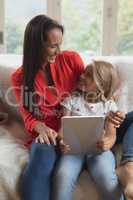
column 93, row 96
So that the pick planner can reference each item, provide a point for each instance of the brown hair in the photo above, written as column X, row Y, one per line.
column 35, row 35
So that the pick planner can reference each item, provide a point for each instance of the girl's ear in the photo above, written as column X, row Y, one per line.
column 3, row 117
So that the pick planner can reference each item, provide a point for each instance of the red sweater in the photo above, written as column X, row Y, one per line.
column 65, row 72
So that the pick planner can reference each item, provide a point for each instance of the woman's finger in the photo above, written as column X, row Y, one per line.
column 51, row 137
column 37, row 139
column 55, row 133
column 46, row 139
column 41, row 140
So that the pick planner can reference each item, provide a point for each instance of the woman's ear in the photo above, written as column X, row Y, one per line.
column 3, row 117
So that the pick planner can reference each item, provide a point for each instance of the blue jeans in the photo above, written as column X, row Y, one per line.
column 125, row 135
column 101, row 168
column 37, row 177
column 127, row 147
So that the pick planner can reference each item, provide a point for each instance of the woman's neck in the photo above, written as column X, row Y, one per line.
column 47, row 73
column 45, row 65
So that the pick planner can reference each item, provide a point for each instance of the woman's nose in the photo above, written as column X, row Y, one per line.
column 58, row 49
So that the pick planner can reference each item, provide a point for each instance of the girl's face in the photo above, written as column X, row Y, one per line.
column 87, row 84
column 52, row 45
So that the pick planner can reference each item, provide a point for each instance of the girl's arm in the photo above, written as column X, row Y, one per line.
column 109, row 136
column 63, row 146
column 66, row 112
column 110, row 129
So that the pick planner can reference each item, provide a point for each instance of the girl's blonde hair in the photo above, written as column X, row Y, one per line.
column 106, row 77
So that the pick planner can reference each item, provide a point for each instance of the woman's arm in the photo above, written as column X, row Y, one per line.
column 46, row 135
column 17, row 83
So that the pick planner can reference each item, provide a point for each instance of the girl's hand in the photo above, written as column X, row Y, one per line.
column 65, row 148
column 106, row 143
column 116, row 118
column 46, row 134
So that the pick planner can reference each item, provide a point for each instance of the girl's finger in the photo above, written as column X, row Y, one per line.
column 118, row 119
column 117, row 116
column 115, row 122
column 120, row 115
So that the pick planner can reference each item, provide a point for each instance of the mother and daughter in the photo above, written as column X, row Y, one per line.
column 41, row 87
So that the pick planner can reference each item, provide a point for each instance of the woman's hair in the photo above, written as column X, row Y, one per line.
column 33, row 49
column 106, row 77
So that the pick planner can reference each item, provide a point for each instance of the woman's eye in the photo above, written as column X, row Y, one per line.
column 52, row 47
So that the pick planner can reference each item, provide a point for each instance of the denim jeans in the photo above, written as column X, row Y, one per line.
column 121, row 132
column 37, row 177
column 125, row 135
column 101, row 168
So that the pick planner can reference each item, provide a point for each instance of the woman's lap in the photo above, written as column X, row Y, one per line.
column 36, row 179
column 125, row 137
column 124, row 127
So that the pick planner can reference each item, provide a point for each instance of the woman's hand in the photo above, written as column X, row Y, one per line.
column 106, row 143
column 65, row 148
column 46, row 134
column 116, row 118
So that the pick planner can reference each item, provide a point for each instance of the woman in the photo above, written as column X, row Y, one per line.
column 46, row 76
column 125, row 169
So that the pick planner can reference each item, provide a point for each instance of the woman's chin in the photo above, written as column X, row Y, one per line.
column 52, row 60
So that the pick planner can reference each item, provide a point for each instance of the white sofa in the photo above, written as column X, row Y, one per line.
column 85, row 188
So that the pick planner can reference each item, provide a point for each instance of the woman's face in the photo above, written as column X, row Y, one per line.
column 52, row 45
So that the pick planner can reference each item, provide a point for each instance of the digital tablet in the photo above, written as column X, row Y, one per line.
column 82, row 133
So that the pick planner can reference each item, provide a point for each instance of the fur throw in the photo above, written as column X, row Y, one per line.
column 13, row 157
